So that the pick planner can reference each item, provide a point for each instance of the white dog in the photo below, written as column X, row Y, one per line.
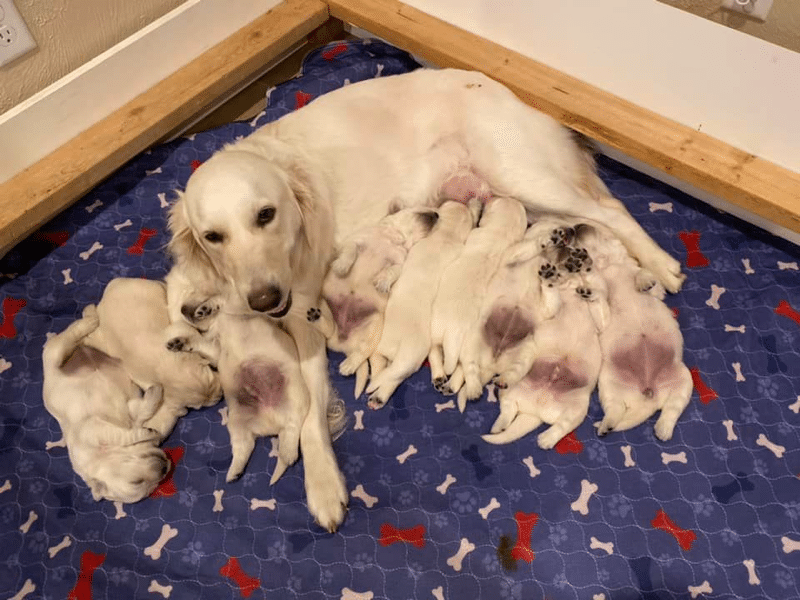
column 133, row 323
column 102, row 414
column 458, row 301
column 358, row 284
column 643, row 369
column 406, row 337
column 563, row 374
column 263, row 213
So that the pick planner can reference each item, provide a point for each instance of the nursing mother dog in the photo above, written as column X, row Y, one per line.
column 263, row 214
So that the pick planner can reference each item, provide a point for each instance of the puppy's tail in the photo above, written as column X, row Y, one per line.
column 60, row 347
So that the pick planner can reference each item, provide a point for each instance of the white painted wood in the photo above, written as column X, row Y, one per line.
column 732, row 86
column 55, row 115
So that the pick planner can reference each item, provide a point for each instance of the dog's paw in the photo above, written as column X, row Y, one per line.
column 603, row 427
column 349, row 366
column 205, row 310
column 500, row 382
column 547, row 271
column 327, row 499
column 232, row 475
column 179, row 344
column 90, row 315
column 664, row 430
column 584, row 292
column 313, row 314
column 547, row 439
column 562, row 236
column 375, row 401
column 440, row 384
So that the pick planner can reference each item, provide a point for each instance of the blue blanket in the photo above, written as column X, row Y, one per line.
column 713, row 513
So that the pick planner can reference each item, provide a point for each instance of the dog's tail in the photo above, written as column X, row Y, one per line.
column 60, row 347
column 591, row 181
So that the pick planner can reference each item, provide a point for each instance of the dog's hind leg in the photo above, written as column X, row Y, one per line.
column 144, row 407
column 407, row 361
column 522, row 425
column 345, row 259
column 60, row 347
column 362, row 374
column 436, row 362
column 242, row 443
column 573, row 414
column 455, row 382
column 680, row 394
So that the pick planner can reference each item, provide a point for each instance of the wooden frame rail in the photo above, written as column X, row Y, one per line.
column 41, row 191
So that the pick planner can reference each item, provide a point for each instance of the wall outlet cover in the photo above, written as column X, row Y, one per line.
column 15, row 39
column 755, row 9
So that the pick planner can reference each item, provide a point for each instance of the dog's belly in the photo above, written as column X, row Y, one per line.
column 643, row 364
column 505, row 328
column 349, row 312
column 259, row 384
column 551, row 384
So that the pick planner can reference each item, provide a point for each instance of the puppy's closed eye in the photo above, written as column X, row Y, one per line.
column 265, row 216
column 215, row 237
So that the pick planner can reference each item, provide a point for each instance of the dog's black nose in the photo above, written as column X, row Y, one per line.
column 266, row 298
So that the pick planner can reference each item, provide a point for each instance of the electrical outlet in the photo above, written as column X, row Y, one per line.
column 755, row 9
column 15, row 39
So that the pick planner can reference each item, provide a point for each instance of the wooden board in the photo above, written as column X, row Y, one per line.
column 41, row 191
column 747, row 181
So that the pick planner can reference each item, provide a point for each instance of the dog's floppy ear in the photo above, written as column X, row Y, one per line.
column 183, row 246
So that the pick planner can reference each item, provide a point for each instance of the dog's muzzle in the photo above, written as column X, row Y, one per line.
column 265, row 299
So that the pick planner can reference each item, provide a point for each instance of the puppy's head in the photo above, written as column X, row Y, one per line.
column 241, row 221
column 414, row 223
column 126, row 474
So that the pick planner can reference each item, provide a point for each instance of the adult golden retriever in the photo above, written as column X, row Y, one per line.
column 262, row 215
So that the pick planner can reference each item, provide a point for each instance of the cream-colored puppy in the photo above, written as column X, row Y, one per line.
column 133, row 323
column 563, row 374
column 406, row 337
column 463, row 284
column 102, row 413
column 643, row 369
column 358, row 284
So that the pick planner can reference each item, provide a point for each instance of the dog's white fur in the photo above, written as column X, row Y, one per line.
column 358, row 284
column 458, row 301
column 133, row 323
column 515, row 303
column 564, row 366
column 264, row 388
column 406, row 337
column 643, row 369
column 102, row 413
column 262, row 214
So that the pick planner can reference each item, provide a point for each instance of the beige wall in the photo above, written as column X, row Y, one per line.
column 68, row 34
column 782, row 26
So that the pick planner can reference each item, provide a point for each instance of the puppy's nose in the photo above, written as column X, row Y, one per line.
column 266, row 298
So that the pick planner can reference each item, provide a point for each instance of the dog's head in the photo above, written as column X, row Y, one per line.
column 125, row 473
column 241, row 220
column 412, row 224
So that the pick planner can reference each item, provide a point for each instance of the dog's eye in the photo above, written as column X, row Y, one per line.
column 138, row 482
column 265, row 215
column 214, row 237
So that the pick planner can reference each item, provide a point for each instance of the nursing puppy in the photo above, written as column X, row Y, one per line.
column 501, row 343
column 642, row 345
column 564, row 367
column 406, row 337
column 358, row 284
column 133, row 324
column 261, row 379
column 102, row 413
column 464, row 282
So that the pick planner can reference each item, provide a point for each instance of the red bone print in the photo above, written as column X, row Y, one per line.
column 334, row 52
column 144, row 235
column 569, row 444
column 390, row 535
column 685, row 537
column 706, row 393
column 83, row 587
column 694, row 257
column 301, row 99
column 195, row 163
column 233, row 570
column 58, row 238
column 167, row 486
column 784, row 309
column 11, row 306
column 525, row 524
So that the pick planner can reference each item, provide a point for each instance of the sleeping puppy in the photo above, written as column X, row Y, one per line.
column 642, row 345
column 133, row 319
column 261, row 379
column 406, row 341
column 458, row 301
column 502, row 342
column 358, row 284
column 102, row 413
column 564, row 366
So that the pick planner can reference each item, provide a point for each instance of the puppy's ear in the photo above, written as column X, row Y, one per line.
column 183, row 246
column 97, row 487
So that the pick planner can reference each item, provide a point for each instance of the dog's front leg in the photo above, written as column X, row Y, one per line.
column 325, row 486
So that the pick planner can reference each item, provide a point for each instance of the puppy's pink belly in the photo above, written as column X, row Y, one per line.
column 259, row 384
column 555, row 377
column 349, row 312
column 644, row 365
column 505, row 328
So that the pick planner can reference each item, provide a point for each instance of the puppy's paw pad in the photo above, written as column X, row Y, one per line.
column 547, row 271
column 313, row 314
column 439, row 384
column 584, row 292
column 664, row 431
column 204, row 310
column 178, row 344
column 562, row 236
column 375, row 402
column 546, row 441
